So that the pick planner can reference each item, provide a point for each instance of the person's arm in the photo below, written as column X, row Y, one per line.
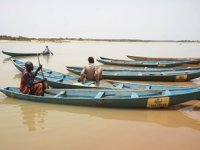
column 98, row 74
column 38, row 69
column 39, row 81
column 82, row 74
column 30, row 82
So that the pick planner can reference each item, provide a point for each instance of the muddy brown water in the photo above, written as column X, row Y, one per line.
column 30, row 125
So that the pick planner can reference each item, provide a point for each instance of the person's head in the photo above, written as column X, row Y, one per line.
column 29, row 66
column 91, row 59
column 46, row 46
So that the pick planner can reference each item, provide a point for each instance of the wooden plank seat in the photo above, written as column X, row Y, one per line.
column 120, row 86
column 134, row 95
column 61, row 93
column 166, row 92
column 89, row 83
column 140, row 73
column 148, row 87
column 116, row 74
column 162, row 73
column 59, row 80
column 99, row 95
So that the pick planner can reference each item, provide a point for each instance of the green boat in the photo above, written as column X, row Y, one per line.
column 138, row 63
column 60, row 80
column 109, row 98
column 177, row 76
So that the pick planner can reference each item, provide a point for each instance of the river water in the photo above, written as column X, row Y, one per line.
column 30, row 125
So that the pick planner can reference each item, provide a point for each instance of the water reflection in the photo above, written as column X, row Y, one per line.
column 35, row 114
column 46, row 58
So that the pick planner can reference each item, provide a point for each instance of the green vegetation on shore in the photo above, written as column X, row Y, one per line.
column 21, row 38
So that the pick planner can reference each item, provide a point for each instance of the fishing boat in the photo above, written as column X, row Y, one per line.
column 13, row 54
column 177, row 76
column 193, row 60
column 138, row 63
column 138, row 69
column 56, row 79
column 109, row 98
column 60, row 80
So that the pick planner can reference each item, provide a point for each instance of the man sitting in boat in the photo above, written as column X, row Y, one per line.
column 46, row 51
column 28, row 85
column 91, row 72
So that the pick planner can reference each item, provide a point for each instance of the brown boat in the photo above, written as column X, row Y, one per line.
column 193, row 60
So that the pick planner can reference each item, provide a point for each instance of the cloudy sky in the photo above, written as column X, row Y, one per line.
column 118, row 19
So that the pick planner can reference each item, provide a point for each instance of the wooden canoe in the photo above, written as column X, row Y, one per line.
column 60, row 80
column 13, row 54
column 109, row 98
column 177, row 76
column 193, row 60
column 138, row 63
column 138, row 69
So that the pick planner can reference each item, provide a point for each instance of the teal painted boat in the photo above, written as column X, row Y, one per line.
column 137, row 63
column 177, row 76
column 138, row 69
column 109, row 98
column 56, row 79
column 13, row 54
column 60, row 80
column 192, row 60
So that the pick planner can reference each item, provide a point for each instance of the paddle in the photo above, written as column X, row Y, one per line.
column 51, row 52
column 45, row 83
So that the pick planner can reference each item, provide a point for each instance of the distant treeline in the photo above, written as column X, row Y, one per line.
column 21, row 38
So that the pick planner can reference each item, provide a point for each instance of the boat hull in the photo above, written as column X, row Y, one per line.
column 138, row 69
column 193, row 60
column 153, row 64
column 12, row 54
column 60, row 80
column 174, row 76
column 109, row 98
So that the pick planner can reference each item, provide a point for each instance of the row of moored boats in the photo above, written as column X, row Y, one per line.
column 112, row 93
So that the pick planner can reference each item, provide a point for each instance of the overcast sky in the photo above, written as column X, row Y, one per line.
column 118, row 19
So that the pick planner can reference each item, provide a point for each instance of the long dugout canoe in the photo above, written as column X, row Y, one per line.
column 176, row 76
column 138, row 63
column 60, row 80
column 14, row 54
column 109, row 98
column 138, row 69
column 193, row 60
